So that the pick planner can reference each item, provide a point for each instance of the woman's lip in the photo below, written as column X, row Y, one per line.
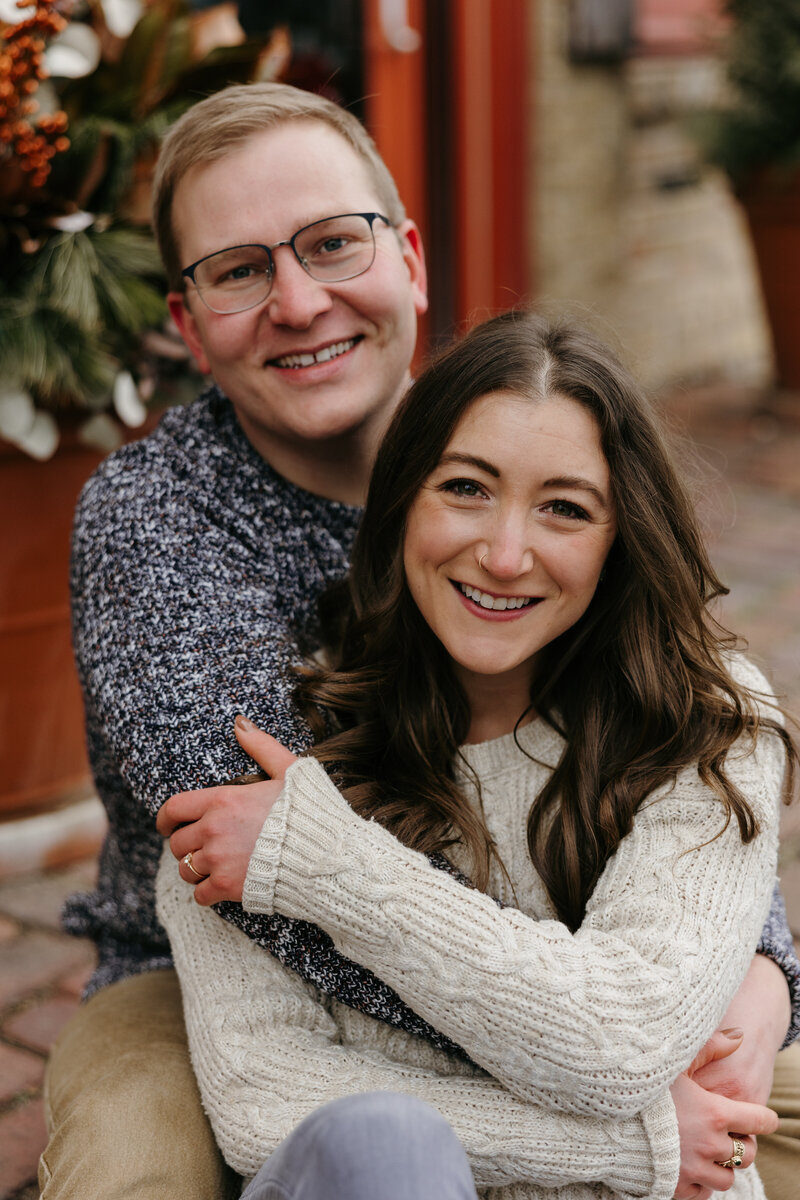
column 462, row 583
column 495, row 614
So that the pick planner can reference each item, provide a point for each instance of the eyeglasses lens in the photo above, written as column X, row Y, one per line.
column 336, row 249
column 330, row 251
column 234, row 279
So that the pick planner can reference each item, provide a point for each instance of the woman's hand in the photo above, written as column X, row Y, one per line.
column 219, row 826
column 707, row 1124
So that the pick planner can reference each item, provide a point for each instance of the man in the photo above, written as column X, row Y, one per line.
column 199, row 554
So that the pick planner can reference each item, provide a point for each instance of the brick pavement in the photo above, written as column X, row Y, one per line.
column 751, row 504
column 42, row 974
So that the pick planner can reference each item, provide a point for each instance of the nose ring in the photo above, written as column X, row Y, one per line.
column 480, row 562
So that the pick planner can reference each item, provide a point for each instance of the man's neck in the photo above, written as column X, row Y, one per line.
column 335, row 469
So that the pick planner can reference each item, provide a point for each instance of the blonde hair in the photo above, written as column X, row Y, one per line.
column 220, row 124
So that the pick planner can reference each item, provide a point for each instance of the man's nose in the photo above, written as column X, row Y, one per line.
column 295, row 299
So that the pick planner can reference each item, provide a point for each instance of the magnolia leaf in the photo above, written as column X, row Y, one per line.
column 41, row 440
column 16, row 413
column 127, row 251
column 68, row 277
column 121, row 16
column 127, row 401
column 73, row 53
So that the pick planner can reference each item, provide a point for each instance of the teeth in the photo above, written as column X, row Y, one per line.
column 321, row 356
column 495, row 603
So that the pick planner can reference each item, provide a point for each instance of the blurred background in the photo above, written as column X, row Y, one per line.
column 634, row 161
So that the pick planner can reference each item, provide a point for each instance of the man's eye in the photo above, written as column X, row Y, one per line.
column 331, row 245
column 240, row 272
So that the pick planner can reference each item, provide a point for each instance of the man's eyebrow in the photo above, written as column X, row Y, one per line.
column 469, row 460
column 577, row 481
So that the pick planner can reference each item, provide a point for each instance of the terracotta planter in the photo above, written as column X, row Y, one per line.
column 42, row 755
column 772, row 206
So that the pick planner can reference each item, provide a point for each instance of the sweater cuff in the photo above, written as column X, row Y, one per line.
column 258, row 893
column 661, row 1129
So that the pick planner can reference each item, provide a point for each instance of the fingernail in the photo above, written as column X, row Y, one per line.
column 733, row 1033
column 243, row 723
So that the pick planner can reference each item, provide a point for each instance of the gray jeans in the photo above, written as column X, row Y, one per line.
column 372, row 1146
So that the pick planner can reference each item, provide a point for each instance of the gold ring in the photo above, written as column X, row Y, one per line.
column 187, row 862
column 737, row 1157
column 480, row 562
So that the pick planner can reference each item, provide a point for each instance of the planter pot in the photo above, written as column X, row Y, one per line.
column 772, row 207
column 42, row 755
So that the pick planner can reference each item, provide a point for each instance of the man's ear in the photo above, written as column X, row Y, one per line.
column 188, row 328
column 414, row 256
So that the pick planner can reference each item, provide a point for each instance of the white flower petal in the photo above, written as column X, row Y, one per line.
column 121, row 16
column 16, row 413
column 74, row 53
column 13, row 15
column 101, row 432
column 41, row 440
column 72, row 222
column 127, row 401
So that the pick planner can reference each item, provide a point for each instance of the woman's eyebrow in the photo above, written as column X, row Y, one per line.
column 469, row 460
column 577, row 481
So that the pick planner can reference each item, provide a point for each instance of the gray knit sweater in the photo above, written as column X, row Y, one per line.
column 196, row 570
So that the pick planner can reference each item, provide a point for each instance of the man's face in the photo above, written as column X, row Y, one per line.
column 264, row 191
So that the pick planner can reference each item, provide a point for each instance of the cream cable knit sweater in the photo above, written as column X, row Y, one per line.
column 578, row 1035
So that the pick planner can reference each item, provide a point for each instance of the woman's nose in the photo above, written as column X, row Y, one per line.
column 508, row 552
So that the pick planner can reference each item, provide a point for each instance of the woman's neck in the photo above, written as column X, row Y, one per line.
column 496, row 703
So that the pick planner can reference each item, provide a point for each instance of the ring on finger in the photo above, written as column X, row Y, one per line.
column 737, row 1156
column 187, row 862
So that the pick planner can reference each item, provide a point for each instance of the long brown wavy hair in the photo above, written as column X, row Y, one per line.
column 639, row 687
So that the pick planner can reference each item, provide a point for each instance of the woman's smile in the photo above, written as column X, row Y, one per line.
column 490, row 606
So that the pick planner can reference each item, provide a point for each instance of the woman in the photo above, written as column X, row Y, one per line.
column 526, row 680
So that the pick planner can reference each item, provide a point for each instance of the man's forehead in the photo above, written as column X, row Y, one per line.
column 270, row 185
column 292, row 146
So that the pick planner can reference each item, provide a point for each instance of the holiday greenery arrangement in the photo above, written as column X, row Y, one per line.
column 87, row 87
column 758, row 125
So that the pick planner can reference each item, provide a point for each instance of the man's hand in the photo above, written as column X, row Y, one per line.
column 219, row 826
column 762, row 1010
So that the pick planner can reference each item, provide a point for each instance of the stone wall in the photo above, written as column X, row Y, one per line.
column 630, row 227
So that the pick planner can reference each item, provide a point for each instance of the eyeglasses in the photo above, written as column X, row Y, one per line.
column 330, row 251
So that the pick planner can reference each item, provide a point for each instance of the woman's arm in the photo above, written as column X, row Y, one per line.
column 266, row 1053
column 596, row 1022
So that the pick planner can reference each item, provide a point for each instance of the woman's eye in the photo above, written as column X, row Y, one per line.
column 566, row 508
column 463, row 487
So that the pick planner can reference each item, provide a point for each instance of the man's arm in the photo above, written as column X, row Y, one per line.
column 176, row 628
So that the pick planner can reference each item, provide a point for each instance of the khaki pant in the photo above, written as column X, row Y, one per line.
column 125, row 1118
column 778, row 1158
column 122, row 1106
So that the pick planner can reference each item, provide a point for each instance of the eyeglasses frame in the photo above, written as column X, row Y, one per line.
column 369, row 217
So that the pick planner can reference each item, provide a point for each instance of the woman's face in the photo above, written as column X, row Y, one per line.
column 507, row 537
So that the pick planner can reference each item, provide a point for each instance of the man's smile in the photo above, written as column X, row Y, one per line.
column 309, row 358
